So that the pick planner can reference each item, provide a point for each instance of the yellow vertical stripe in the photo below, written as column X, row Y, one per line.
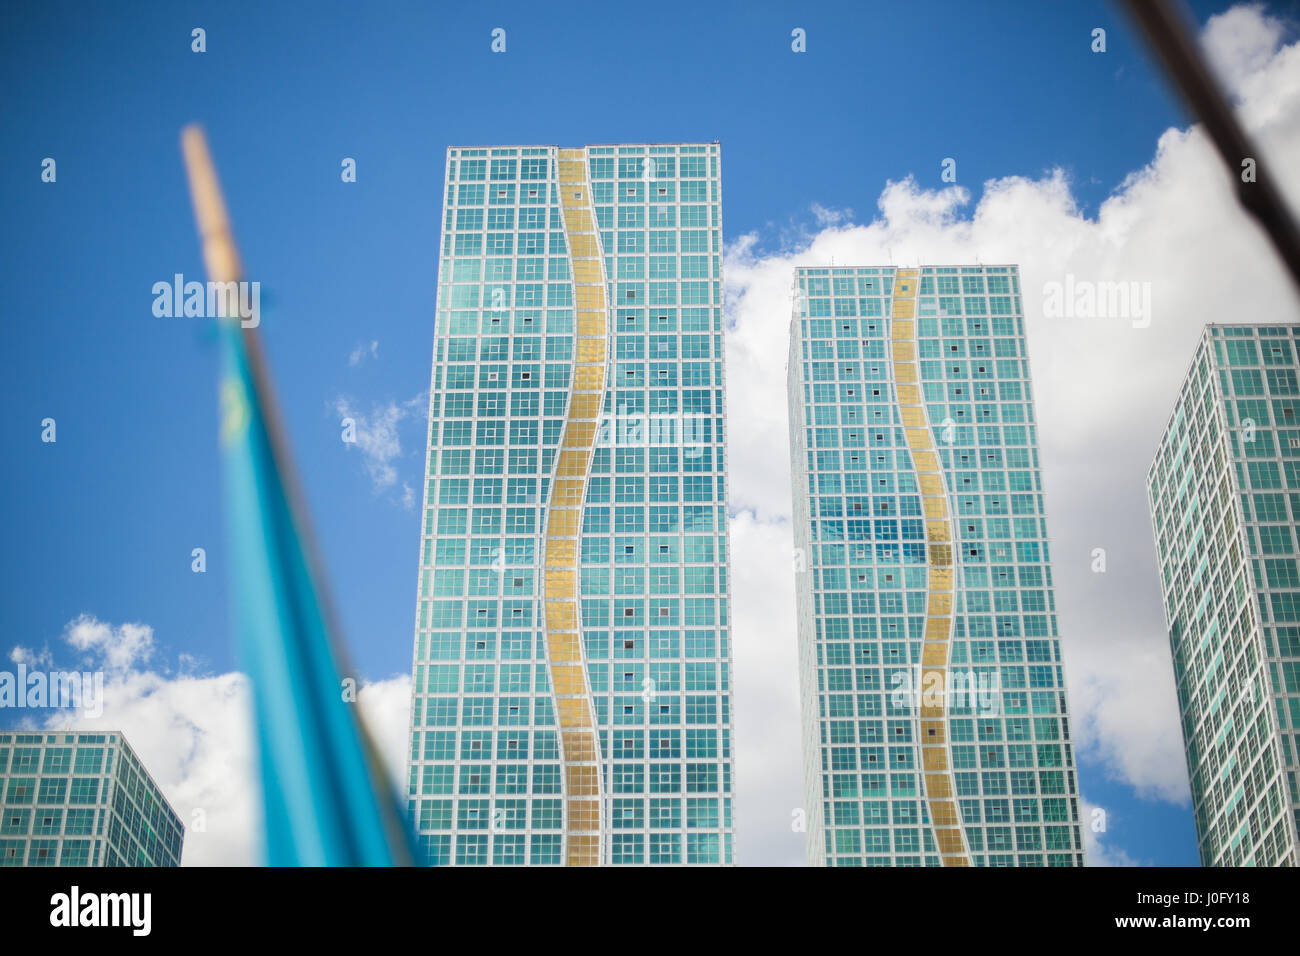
column 579, row 741
column 940, row 785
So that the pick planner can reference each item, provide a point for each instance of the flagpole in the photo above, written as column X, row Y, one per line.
column 317, row 811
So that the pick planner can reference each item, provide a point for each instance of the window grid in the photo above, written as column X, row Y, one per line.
column 1224, row 493
column 862, row 577
column 653, row 537
column 82, row 800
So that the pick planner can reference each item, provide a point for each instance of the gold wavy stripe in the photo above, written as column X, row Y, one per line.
column 940, row 788
column 579, row 744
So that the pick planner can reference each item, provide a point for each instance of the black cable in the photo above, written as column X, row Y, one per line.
column 1167, row 32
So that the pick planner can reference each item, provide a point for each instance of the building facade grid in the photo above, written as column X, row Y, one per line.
column 1224, row 494
column 77, row 799
column 487, row 763
column 892, row 551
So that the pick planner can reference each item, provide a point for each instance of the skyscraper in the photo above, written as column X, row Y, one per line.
column 1224, row 492
column 572, row 672
column 935, row 724
column 77, row 799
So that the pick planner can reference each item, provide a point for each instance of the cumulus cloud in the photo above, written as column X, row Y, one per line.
column 31, row 658
column 118, row 648
column 825, row 216
column 1096, row 844
column 386, row 710
column 1103, row 390
column 769, row 767
column 378, row 439
column 1240, row 44
column 193, row 733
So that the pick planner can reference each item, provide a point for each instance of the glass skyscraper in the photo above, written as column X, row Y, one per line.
column 935, row 725
column 76, row 799
column 1224, row 492
column 572, row 669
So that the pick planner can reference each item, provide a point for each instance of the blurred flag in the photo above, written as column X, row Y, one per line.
column 327, row 798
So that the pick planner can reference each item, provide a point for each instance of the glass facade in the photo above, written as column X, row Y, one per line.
column 936, row 730
column 82, row 800
column 572, row 667
column 1224, row 492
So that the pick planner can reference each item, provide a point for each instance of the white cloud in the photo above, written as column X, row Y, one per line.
column 768, row 764
column 825, row 216
column 193, row 734
column 378, row 439
column 118, row 647
column 386, row 710
column 190, row 731
column 31, row 658
column 1103, row 390
column 363, row 352
column 1100, row 851
column 1240, row 43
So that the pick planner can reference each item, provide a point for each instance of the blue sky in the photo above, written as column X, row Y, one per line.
column 104, row 520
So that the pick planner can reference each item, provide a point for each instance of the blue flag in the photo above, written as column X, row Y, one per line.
column 328, row 800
